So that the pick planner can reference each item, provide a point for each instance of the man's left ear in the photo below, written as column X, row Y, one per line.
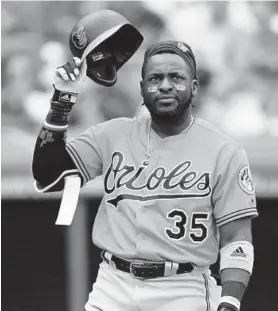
column 194, row 86
column 141, row 87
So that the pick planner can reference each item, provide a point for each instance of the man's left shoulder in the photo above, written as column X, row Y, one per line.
column 212, row 134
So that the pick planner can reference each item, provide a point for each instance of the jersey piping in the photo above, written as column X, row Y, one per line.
column 252, row 211
column 78, row 162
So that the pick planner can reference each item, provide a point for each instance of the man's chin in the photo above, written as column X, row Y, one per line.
column 166, row 114
column 168, row 110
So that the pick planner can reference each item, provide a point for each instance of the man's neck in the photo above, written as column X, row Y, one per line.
column 164, row 129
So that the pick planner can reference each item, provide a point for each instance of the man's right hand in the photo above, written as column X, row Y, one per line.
column 71, row 76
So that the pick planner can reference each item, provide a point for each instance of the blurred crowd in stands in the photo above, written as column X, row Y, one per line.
column 235, row 44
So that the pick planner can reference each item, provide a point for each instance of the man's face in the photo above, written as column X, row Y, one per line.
column 168, row 87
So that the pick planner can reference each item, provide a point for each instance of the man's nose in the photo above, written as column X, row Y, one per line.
column 166, row 85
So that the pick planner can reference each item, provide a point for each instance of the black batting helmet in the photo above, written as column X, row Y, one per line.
column 107, row 40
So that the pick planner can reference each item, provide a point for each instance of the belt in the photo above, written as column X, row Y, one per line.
column 145, row 270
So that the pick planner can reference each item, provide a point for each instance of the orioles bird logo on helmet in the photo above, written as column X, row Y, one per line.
column 79, row 38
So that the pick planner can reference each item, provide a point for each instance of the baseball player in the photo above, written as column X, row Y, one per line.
column 176, row 192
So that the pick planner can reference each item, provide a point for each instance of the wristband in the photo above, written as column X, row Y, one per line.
column 230, row 300
column 61, row 105
column 237, row 255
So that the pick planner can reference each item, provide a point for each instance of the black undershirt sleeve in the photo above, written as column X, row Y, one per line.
column 50, row 158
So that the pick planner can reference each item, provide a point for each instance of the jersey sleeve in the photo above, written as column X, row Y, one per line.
column 234, row 195
column 86, row 154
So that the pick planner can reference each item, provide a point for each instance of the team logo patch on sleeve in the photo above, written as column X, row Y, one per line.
column 245, row 180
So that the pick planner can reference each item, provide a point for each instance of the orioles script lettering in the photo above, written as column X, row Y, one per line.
column 120, row 175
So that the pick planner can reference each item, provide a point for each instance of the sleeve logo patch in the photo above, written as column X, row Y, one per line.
column 245, row 180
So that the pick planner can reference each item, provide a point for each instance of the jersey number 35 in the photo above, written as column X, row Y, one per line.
column 198, row 231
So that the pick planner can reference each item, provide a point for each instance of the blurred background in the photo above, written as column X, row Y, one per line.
column 46, row 267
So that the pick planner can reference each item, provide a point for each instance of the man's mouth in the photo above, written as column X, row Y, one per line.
column 166, row 99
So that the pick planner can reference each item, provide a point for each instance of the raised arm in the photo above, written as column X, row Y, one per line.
column 51, row 161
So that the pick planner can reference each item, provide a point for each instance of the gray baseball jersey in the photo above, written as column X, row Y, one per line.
column 164, row 198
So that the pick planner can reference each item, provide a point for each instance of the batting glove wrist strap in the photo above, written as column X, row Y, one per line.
column 229, row 303
column 61, row 106
column 63, row 101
